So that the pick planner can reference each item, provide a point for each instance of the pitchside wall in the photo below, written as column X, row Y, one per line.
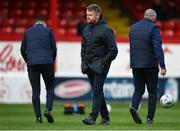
column 70, row 83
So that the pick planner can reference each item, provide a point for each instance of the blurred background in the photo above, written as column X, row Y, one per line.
column 67, row 19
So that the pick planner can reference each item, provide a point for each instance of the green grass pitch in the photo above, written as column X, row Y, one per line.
column 21, row 117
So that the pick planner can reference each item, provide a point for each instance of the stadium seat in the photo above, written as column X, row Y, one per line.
column 138, row 15
column 71, row 31
column 30, row 4
column 28, row 13
column 177, row 33
column 6, row 30
column 15, row 12
column 61, row 32
column 69, row 5
column 168, row 25
column 42, row 13
column 177, row 25
column 63, row 23
column 4, row 4
column 67, row 14
column 19, row 30
column 18, row 15
column 168, row 33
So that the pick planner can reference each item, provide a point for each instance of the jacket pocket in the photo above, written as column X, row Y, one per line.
column 97, row 66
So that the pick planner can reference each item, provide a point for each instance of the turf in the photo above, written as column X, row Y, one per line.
column 21, row 117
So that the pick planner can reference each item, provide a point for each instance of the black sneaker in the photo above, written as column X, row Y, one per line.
column 105, row 122
column 89, row 121
column 135, row 115
column 150, row 121
column 39, row 120
column 49, row 117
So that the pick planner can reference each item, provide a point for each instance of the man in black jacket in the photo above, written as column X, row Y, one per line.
column 38, row 49
column 99, row 49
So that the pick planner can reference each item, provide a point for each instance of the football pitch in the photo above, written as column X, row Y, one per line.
column 21, row 117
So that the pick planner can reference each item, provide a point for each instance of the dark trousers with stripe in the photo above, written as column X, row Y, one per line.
column 47, row 72
column 148, row 77
column 98, row 102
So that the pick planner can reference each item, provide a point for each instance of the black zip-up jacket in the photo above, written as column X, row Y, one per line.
column 98, row 48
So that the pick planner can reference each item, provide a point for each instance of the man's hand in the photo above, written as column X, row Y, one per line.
column 163, row 72
column 84, row 71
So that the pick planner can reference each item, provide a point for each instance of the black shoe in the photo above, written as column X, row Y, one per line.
column 89, row 121
column 49, row 117
column 39, row 120
column 150, row 121
column 105, row 122
column 135, row 115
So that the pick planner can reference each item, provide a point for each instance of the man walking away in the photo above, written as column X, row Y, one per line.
column 38, row 49
column 146, row 54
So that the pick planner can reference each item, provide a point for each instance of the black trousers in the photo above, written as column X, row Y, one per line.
column 47, row 72
column 148, row 77
column 98, row 102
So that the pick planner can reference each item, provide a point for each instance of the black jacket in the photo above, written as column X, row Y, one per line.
column 99, row 47
column 38, row 46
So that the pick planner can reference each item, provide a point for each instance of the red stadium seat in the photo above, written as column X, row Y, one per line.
column 80, row 14
column 42, row 13
column 59, row 14
column 22, row 22
column 177, row 33
column 20, row 30
column 168, row 25
column 28, row 13
column 43, row 5
column 81, row 6
column 15, row 4
column 177, row 25
column 67, row 14
column 15, row 13
column 71, row 31
column 168, row 33
column 30, row 4
column 74, row 22
column 61, row 31
column 6, row 30
column 138, row 15
column 11, row 22
column 4, row 4
column 4, row 12
column 49, row 22
column 63, row 23
column 7, row 22
column 69, row 5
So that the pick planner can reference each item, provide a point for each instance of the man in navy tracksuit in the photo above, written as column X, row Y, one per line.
column 38, row 49
column 145, row 55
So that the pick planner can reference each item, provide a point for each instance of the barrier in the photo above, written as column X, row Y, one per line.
column 15, row 87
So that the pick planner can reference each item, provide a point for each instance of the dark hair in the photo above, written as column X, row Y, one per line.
column 94, row 7
column 40, row 19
